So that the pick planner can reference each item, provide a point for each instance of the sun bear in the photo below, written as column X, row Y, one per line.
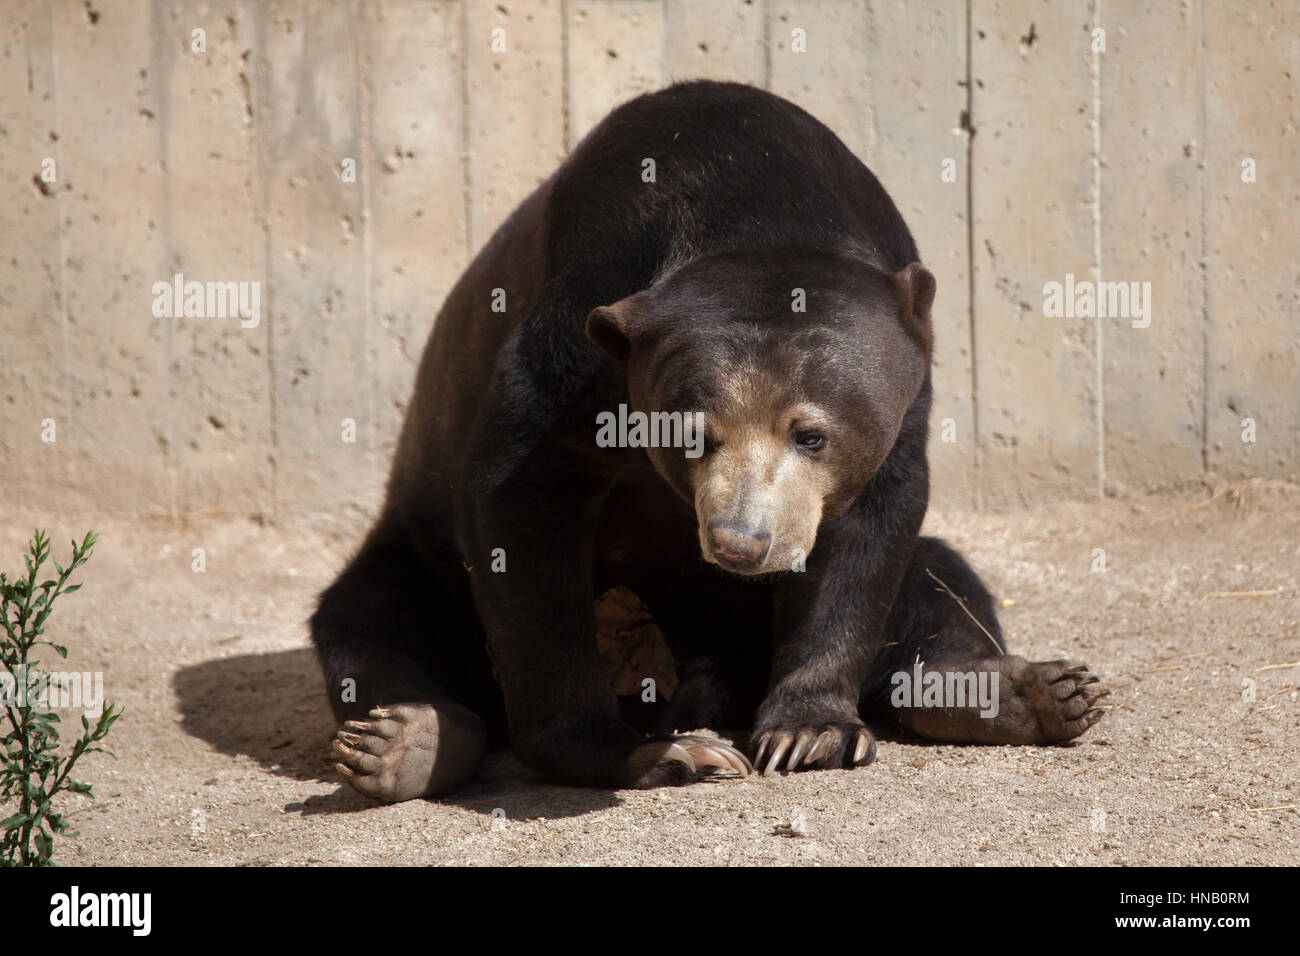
column 710, row 250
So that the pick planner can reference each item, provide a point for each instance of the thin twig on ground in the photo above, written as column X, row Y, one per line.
column 962, row 604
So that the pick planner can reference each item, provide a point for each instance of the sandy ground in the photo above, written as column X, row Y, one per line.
column 222, row 750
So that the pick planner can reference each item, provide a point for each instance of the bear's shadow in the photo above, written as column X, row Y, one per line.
column 271, row 707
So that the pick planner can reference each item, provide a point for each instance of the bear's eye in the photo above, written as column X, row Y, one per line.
column 810, row 440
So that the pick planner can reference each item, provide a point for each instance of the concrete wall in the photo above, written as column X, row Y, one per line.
column 1018, row 149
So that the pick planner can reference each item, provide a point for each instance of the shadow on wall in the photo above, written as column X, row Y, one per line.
column 271, row 707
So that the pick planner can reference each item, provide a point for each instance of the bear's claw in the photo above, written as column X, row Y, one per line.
column 682, row 759
column 827, row 747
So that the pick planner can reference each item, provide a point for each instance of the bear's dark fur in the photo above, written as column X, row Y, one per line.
column 466, row 619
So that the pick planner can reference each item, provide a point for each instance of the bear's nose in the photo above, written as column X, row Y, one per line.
column 738, row 549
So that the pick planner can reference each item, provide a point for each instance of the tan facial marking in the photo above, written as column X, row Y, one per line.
column 758, row 497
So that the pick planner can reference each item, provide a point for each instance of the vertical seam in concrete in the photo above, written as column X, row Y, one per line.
column 66, row 385
column 467, row 166
column 872, row 61
column 365, row 106
column 162, row 67
column 868, row 37
column 566, row 131
column 1098, row 262
column 665, row 44
column 664, row 78
column 1202, row 134
column 976, row 462
column 260, row 74
column 766, row 13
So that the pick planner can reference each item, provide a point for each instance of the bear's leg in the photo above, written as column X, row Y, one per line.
column 405, row 670
column 943, row 624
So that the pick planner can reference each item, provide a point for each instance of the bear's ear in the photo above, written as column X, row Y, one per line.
column 915, row 287
column 614, row 327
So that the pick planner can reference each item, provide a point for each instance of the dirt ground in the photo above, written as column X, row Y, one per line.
column 222, row 749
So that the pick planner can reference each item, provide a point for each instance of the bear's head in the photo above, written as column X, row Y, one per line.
column 797, row 367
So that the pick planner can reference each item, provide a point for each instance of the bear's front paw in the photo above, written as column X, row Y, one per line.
column 812, row 744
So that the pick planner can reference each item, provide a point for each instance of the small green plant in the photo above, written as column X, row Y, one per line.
column 34, row 772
